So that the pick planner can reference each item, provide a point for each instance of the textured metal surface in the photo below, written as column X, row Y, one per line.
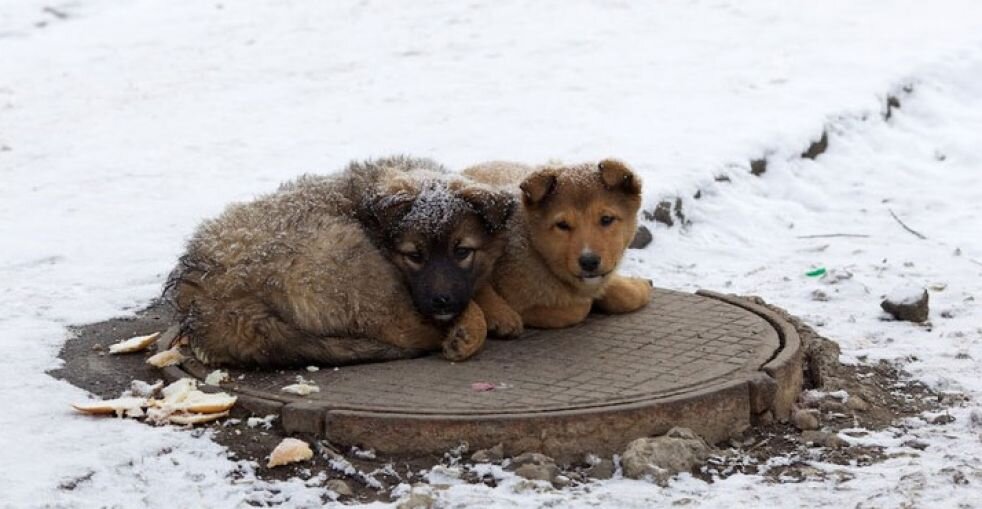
column 679, row 343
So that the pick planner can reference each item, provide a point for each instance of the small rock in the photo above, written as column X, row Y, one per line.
column 765, row 418
column 531, row 458
column 642, row 238
column 821, row 438
column 533, row 472
column 416, row 499
column 561, row 481
column 909, row 304
column 832, row 407
column 662, row 213
column 857, row 404
column 340, row 487
column 679, row 450
column 835, row 276
column 535, row 467
column 975, row 417
column 804, row 420
column 758, row 167
column 603, row 469
column 492, row 455
column 813, row 437
column 820, row 296
column 943, row 419
column 915, row 444
column 817, row 148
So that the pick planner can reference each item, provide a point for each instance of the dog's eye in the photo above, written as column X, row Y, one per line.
column 462, row 253
column 607, row 220
column 414, row 257
column 564, row 226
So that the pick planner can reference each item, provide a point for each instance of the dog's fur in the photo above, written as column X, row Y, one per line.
column 327, row 269
column 564, row 244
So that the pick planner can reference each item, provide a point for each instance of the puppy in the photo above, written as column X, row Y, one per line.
column 379, row 262
column 564, row 244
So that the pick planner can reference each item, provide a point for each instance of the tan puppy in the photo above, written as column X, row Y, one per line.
column 564, row 244
column 378, row 262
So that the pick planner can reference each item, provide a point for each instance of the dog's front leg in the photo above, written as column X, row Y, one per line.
column 544, row 317
column 467, row 336
column 409, row 330
column 625, row 294
column 503, row 321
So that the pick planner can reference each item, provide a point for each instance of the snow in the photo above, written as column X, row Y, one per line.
column 906, row 294
column 124, row 124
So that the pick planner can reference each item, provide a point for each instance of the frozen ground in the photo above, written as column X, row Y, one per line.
column 124, row 123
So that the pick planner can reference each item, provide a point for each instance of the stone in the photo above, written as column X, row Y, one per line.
column 642, row 238
column 908, row 304
column 662, row 214
column 417, row 499
column 975, row 418
column 915, row 444
column 943, row 419
column 857, row 404
column 824, row 439
column 531, row 458
column 602, row 469
column 679, row 450
column 547, row 472
column 535, row 467
column 804, row 420
column 492, row 455
column 758, row 167
column 832, row 407
column 339, row 486
column 817, row 148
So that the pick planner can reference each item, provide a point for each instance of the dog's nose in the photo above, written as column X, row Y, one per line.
column 589, row 262
column 441, row 302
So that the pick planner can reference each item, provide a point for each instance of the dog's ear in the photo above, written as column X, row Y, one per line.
column 386, row 210
column 617, row 176
column 494, row 207
column 538, row 186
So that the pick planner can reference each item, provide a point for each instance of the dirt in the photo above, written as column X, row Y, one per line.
column 885, row 387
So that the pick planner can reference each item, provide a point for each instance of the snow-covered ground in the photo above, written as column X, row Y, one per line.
column 124, row 123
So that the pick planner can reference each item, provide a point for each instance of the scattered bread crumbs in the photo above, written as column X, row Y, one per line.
column 216, row 378
column 182, row 403
column 301, row 389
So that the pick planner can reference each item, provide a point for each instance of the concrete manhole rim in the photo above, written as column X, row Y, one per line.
column 715, row 410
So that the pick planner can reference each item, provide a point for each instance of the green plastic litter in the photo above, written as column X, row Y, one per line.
column 815, row 272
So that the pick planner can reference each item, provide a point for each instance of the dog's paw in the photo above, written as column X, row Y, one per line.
column 462, row 344
column 626, row 294
column 505, row 324
column 467, row 336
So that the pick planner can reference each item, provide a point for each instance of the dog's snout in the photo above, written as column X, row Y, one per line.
column 441, row 302
column 589, row 262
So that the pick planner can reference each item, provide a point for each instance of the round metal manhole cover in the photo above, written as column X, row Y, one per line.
column 710, row 363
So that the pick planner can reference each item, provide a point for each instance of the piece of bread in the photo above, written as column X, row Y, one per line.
column 195, row 418
column 134, row 344
column 166, row 358
column 117, row 406
column 290, row 450
column 301, row 389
